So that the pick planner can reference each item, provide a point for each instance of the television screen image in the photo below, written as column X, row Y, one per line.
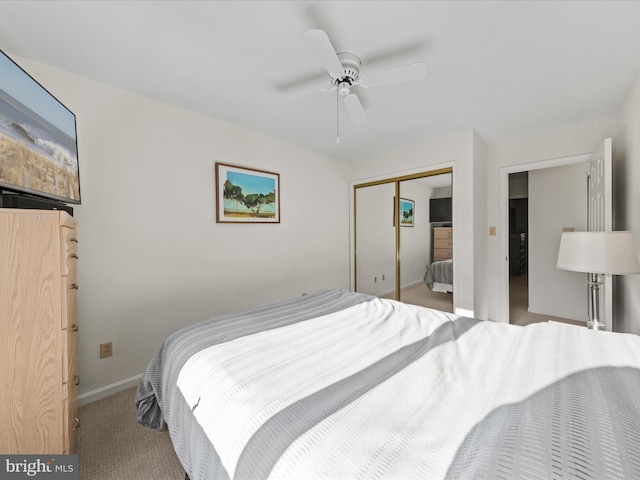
column 38, row 143
column 440, row 210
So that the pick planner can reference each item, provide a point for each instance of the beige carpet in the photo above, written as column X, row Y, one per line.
column 112, row 445
column 419, row 294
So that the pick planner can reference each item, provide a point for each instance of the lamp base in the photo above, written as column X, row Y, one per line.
column 594, row 322
column 595, row 325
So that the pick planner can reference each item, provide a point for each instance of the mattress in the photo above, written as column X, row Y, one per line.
column 344, row 385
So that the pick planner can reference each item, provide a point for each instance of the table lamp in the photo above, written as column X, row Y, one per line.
column 597, row 253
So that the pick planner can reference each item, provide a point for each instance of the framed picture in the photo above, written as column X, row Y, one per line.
column 246, row 195
column 406, row 212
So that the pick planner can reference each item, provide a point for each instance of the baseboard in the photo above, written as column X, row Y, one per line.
column 103, row 392
column 393, row 290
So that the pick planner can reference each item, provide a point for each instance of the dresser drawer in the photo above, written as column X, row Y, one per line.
column 440, row 254
column 70, row 415
column 442, row 232
column 70, row 382
column 443, row 243
column 69, row 246
column 69, row 364
column 69, row 304
column 70, row 422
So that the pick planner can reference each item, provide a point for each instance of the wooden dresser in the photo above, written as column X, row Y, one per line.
column 442, row 243
column 38, row 339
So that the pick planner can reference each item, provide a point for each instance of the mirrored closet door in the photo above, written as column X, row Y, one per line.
column 404, row 239
column 375, row 240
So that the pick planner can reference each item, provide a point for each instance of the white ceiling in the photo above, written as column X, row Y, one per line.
column 505, row 69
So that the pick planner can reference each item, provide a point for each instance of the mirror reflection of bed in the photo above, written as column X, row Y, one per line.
column 436, row 289
column 425, row 240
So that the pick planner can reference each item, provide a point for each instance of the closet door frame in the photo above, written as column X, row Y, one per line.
column 396, row 207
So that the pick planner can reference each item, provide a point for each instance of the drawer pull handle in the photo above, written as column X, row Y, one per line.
column 73, row 240
column 76, row 380
column 73, row 255
column 74, row 286
column 76, row 423
column 74, row 327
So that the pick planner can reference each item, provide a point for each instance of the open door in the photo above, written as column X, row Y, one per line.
column 599, row 216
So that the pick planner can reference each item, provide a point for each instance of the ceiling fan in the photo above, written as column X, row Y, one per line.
column 344, row 73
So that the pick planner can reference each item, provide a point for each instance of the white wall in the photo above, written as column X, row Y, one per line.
column 572, row 140
column 557, row 199
column 442, row 192
column 152, row 257
column 626, row 205
column 480, row 264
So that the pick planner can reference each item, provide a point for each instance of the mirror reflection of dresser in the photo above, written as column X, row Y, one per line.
column 442, row 243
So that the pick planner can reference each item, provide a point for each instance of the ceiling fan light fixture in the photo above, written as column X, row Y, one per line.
column 350, row 68
column 344, row 88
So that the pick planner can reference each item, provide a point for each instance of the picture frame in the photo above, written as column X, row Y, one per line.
column 406, row 212
column 246, row 195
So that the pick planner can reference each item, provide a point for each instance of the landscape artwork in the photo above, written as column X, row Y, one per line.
column 38, row 150
column 246, row 195
column 406, row 212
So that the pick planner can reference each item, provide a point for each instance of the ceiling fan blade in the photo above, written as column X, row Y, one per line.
column 354, row 107
column 392, row 76
column 321, row 46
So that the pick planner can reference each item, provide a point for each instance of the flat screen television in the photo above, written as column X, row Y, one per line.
column 38, row 140
column 440, row 210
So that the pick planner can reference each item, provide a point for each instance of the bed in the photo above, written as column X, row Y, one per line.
column 341, row 385
column 439, row 276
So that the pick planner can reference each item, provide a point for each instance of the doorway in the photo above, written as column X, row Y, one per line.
column 542, row 203
column 518, row 248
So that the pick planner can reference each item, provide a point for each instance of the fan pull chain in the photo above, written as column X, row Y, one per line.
column 337, row 117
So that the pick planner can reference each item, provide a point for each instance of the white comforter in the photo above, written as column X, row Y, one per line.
column 409, row 426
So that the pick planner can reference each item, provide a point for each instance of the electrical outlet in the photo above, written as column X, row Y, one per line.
column 106, row 350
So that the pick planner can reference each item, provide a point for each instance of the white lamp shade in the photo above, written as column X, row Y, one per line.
column 598, row 252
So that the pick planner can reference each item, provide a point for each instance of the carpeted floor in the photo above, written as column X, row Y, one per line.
column 519, row 305
column 419, row 294
column 112, row 445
